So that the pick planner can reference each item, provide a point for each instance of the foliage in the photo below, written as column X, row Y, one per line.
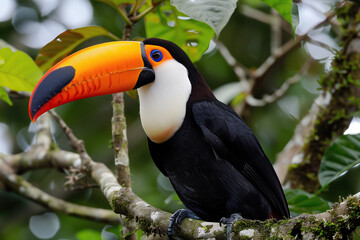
column 282, row 7
column 65, row 43
column 303, row 202
column 18, row 72
column 342, row 155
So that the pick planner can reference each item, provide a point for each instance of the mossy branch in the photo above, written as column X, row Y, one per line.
column 339, row 222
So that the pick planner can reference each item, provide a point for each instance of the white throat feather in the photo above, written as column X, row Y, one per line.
column 163, row 102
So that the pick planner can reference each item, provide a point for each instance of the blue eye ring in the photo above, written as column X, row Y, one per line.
column 156, row 55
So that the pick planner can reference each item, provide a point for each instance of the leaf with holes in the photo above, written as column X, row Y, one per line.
column 341, row 156
column 303, row 202
column 215, row 13
column 66, row 42
column 168, row 23
column 18, row 72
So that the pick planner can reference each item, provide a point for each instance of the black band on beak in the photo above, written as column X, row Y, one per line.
column 50, row 86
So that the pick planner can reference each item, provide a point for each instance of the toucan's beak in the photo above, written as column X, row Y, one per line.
column 101, row 69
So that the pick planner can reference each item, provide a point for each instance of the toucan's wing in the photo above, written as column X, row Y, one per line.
column 231, row 139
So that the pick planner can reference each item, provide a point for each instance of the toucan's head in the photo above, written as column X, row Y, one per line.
column 160, row 69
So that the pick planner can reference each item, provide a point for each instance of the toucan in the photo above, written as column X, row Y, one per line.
column 211, row 157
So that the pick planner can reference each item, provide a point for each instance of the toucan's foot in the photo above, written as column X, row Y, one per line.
column 229, row 222
column 178, row 217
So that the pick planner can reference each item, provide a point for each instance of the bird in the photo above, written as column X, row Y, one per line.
column 213, row 160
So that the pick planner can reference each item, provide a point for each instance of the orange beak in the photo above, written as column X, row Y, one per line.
column 98, row 70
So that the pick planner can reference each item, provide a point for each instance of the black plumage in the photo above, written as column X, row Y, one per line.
column 214, row 161
column 217, row 166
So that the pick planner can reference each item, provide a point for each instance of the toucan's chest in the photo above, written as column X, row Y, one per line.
column 163, row 102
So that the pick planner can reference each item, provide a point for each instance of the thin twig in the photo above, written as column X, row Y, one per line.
column 288, row 47
column 261, row 16
column 241, row 71
column 256, row 14
column 322, row 45
column 277, row 55
column 267, row 99
column 124, row 15
column 275, row 31
column 76, row 143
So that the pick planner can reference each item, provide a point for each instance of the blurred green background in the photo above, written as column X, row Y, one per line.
column 29, row 25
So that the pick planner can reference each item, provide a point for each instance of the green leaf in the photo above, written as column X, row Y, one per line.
column 65, row 43
column 215, row 13
column 168, row 23
column 283, row 7
column 4, row 96
column 303, row 202
column 88, row 234
column 18, row 72
column 139, row 234
column 341, row 156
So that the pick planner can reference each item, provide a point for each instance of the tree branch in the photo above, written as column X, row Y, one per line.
column 120, row 141
column 42, row 156
column 20, row 162
column 27, row 190
column 339, row 221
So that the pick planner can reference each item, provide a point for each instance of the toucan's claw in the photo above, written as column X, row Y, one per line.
column 177, row 218
column 229, row 222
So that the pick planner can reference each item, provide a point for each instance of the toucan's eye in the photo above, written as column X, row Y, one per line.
column 156, row 55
